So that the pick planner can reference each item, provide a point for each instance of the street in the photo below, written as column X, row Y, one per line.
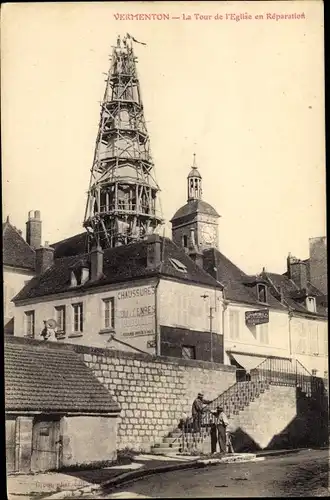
column 305, row 473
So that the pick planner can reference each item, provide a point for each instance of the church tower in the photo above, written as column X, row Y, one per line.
column 196, row 223
column 122, row 205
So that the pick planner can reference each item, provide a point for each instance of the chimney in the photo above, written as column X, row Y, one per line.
column 193, row 250
column 44, row 258
column 297, row 272
column 84, row 272
column 318, row 263
column 33, row 229
column 96, row 263
column 153, row 251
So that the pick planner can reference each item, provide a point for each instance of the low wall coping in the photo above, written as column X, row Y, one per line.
column 112, row 353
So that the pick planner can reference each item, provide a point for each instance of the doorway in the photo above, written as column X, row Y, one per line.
column 46, row 444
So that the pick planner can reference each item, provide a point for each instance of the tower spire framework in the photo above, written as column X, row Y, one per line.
column 122, row 204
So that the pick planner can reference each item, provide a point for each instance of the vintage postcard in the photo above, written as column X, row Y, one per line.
column 164, row 249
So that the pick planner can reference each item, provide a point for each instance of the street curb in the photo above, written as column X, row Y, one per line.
column 276, row 453
column 135, row 475
column 121, row 479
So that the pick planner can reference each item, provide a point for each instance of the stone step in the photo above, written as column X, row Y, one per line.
column 175, row 434
column 172, row 439
column 162, row 451
column 169, row 445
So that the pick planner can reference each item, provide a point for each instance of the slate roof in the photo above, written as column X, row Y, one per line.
column 195, row 206
column 124, row 263
column 74, row 245
column 288, row 288
column 42, row 376
column 16, row 251
column 236, row 282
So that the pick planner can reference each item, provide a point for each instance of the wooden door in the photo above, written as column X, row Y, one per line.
column 10, row 444
column 45, row 444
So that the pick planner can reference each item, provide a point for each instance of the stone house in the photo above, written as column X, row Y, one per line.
column 57, row 413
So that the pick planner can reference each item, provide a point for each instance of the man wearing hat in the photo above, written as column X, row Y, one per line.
column 220, row 424
column 197, row 411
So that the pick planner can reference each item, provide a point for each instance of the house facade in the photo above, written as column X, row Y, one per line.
column 19, row 264
column 149, row 296
column 266, row 315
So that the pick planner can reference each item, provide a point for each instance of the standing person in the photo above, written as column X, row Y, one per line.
column 197, row 411
column 220, row 422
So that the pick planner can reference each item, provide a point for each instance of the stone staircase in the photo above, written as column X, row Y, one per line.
column 234, row 400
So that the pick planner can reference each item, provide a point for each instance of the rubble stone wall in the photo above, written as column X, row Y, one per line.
column 153, row 392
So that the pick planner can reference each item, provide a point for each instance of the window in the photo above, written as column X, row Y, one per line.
column 178, row 265
column 263, row 333
column 185, row 240
column 188, row 352
column 78, row 319
column 60, row 318
column 302, row 340
column 314, row 341
column 311, row 304
column 109, row 313
column 233, row 324
column 29, row 323
column 262, row 293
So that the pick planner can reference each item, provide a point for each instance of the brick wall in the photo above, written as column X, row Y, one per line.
column 153, row 392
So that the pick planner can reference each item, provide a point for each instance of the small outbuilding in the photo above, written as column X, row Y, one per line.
column 57, row 412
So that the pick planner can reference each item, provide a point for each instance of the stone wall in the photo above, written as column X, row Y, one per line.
column 266, row 417
column 88, row 439
column 153, row 392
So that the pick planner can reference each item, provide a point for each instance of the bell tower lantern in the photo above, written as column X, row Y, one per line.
column 194, row 183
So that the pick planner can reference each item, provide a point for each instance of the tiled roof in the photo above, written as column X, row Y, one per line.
column 124, row 263
column 16, row 252
column 233, row 280
column 288, row 287
column 195, row 206
column 42, row 376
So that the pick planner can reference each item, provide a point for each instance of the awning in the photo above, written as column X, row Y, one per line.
column 248, row 362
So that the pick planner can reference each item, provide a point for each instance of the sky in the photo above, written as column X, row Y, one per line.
column 245, row 95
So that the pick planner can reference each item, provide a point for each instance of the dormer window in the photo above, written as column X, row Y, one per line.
column 178, row 265
column 262, row 293
column 311, row 304
column 73, row 279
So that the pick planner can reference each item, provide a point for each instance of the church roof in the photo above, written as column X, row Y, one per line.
column 194, row 173
column 194, row 207
column 16, row 251
column 74, row 245
column 43, row 376
column 120, row 264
